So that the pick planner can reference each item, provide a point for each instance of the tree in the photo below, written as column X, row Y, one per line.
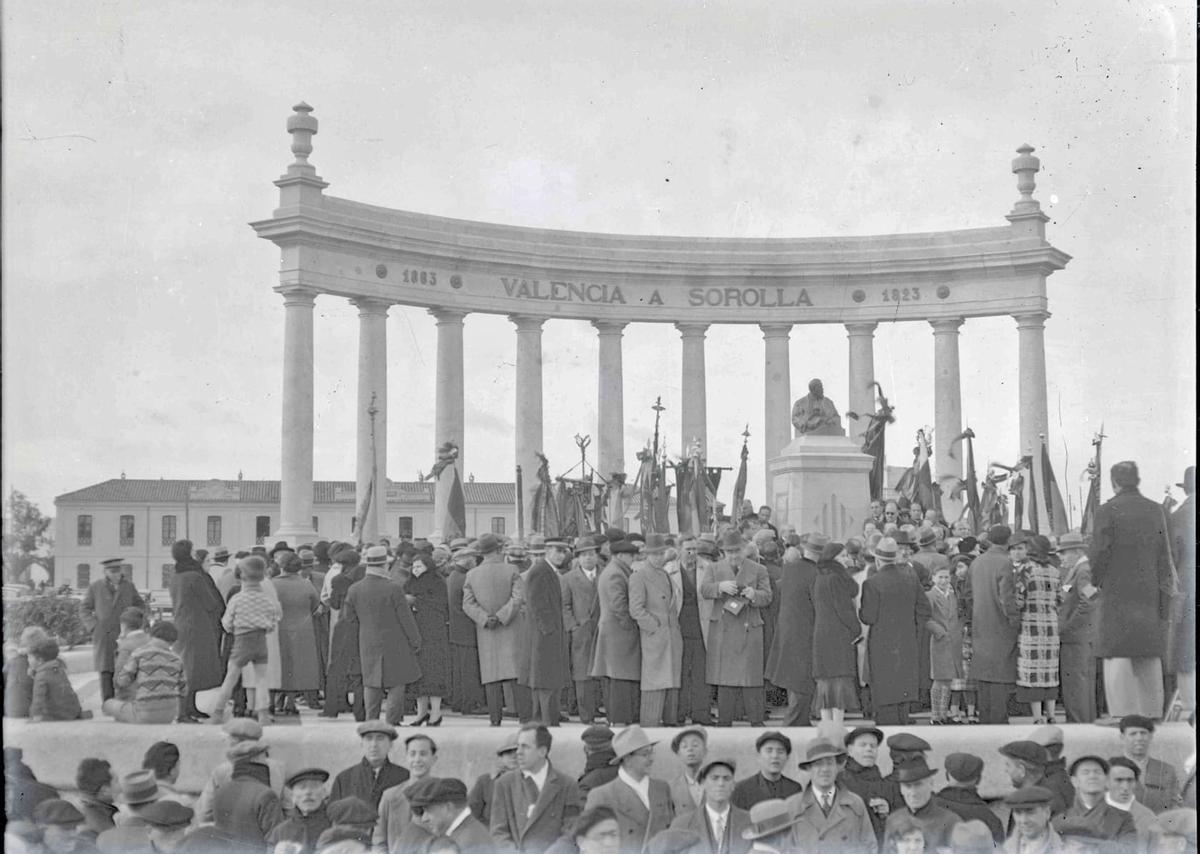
column 25, row 537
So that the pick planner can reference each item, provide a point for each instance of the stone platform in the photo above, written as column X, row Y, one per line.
column 467, row 749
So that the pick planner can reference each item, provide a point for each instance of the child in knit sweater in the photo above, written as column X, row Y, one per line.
column 250, row 615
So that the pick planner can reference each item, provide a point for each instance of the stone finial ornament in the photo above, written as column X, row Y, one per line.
column 1025, row 166
column 302, row 126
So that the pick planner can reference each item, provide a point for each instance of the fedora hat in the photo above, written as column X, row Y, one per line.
column 377, row 556
column 914, row 770
column 1189, row 480
column 585, row 544
column 139, row 787
column 536, row 544
column 732, row 541
column 819, row 749
column 488, row 543
column 558, row 543
column 768, row 818
column 1071, row 540
column 885, row 551
column 926, row 537
column 816, row 543
column 655, row 544
column 629, row 740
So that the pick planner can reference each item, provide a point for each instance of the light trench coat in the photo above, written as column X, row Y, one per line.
column 655, row 607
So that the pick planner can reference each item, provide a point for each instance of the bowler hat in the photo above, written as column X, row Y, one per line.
column 964, row 767
column 488, row 543
column 436, row 790
column 368, row 727
column 1026, row 751
column 1029, row 796
column 351, row 810
column 768, row 818
column 864, row 730
column 655, row 544
column 819, row 749
column 691, row 730
column 56, row 811
column 166, row 814
column 280, row 546
column 1137, row 722
column 140, row 787
column 914, row 770
column 319, row 774
column 629, row 740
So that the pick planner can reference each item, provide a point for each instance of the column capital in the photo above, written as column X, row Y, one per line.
column 527, row 322
column 946, row 325
column 370, row 307
column 298, row 296
column 775, row 330
column 854, row 330
column 610, row 327
column 692, row 330
column 448, row 315
column 1031, row 319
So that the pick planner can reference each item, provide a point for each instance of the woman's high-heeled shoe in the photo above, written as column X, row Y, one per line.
column 438, row 722
column 424, row 719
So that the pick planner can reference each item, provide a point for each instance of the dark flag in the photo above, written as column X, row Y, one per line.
column 739, row 485
column 1092, row 504
column 917, row 483
column 646, row 488
column 993, row 506
column 968, row 484
column 450, row 506
column 1056, row 512
column 545, row 504
column 873, row 439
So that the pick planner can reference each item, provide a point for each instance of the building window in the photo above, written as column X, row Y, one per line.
column 353, row 523
column 498, row 525
column 214, row 530
column 168, row 572
column 168, row 531
column 316, row 527
column 127, row 571
column 262, row 529
column 83, row 575
column 83, row 531
column 127, row 530
column 406, row 528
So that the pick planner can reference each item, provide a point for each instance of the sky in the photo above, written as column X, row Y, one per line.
column 141, row 333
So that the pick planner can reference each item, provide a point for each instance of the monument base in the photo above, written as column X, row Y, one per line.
column 821, row 483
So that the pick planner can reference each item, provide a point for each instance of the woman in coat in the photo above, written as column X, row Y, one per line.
column 344, row 667
column 198, row 608
column 430, row 601
column 836, row 632
column 1039, row 596
column 945, row 646
column 299, row 601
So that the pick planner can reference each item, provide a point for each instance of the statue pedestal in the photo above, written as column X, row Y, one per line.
column 820, row 483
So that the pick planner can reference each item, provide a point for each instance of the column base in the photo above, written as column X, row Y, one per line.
column 293, row 535
column 820, row 483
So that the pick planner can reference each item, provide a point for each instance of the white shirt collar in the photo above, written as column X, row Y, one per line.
column 642, row 788
column 713, row 815
column 1108, row 799
column 462, row 816
column 540, row 777
column 819, row 795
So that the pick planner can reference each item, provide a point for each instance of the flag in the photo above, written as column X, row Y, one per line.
column 873, row 437
column 917, row 483
column 545, row 505
column 739, row 487
column 1056, row 512
column 993, row 506
column 364, row 506
column 973, row 509
column 1029, row 513
column 1092, row 504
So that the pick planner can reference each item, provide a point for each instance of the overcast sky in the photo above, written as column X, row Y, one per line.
column 141, row 333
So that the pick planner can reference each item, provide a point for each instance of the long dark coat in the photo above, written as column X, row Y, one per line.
column 198, row 609
column 581, row 617
column 431, row 609
column 995, row 617
column 343, row 641
column 101, row 610
column 735, row 641
column 388, row 638
column 895, row 607
column 462, row 627
column 1131, row 566
column 790, row 663
column 836, row 624
column 298, row 663
column 543, row 660
column 618, row 639
column 771, row 612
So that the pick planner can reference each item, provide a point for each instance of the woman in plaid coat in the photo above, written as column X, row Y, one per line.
column 1039, row 595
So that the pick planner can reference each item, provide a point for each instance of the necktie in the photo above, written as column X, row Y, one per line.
column 719, row 832
column 826, row 802
column 531, row 792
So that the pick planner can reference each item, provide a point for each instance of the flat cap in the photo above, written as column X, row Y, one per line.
column 623, row 547
column 318, row 774
column 243, row 729
column 166, row 814
column 436, row 790
column 864, row 730
column 964, row 766
column 509, row 745
column 1029, row 796
column 597, row 736
column 1026, row 751
column 691, row 730
column 56, row 811
column 1137, row 722
column 719, row 762
column 776, row 736
column 1099, row 760
column 1180, row 822
column 368, row 727
column 908, row 742
column 351, row 810
column 1046, row 735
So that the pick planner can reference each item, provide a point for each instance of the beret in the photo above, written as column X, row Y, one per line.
column 319, row 774
column 243, row 729
column 713, row 763
column 56, row 811
column 776, row 736
column 351, row 810
column 1137, row 722
column 907, row 741
column 367, row 727
column 436, row 790
column 864, row 730
column 166, row 814
column 1103, row 763
column 691, row 730
column 1030, row 796
column 964, row 766
column 1180, row 822
column 1026, row 751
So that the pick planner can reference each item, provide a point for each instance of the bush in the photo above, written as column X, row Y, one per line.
column 59, row 615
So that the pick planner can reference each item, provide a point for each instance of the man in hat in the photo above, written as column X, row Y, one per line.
column 641, row 804
column 535, row 804
column 246, row 808
column 1123, row 778
column 961, row 794
column 395, row 811
column 655, row 608
column 581, row 615
column 860, row 774
column 916, row 790
column 904, row 747
column 101, row 613
column 544, row 666
column 739, row 590
column 1183, row 542
column 1025, row 763
column 618, row 656
column 691, row 746
column 139, row 790
column 1131, row 564
column 789, row 664
column 598, row 756
column 309, row 818
column 1158, row 788
column 1077, row 630
column 439, row 807
column 480, row 798
column 1056, row 778
column 828, row 814
column 223, row 573
column 60, row 823
column 995, row 625
column 695, row 694
column 353, row 819
column 388, row 637
column 770, row 829
column 927, row 559
column 1089, row 774
column 895, row 607
column 374, row 773
column 715, row 820
column 1030, row 819
column 168, row 824
column 466, row 692
column 774, row 749
column 492, row 599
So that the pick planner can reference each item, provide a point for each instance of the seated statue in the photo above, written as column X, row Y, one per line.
column 815, row 415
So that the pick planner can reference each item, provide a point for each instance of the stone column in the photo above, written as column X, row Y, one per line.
column 777, row 382
column 448, row 415
column 947, row 408
column 861, row 399
column 693, row 408
column 1031, row 360
column 529, row 406
column 296, row 463
column 372, row 387
column 611, row 403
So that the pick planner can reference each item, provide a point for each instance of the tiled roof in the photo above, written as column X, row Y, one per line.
column 267, row 492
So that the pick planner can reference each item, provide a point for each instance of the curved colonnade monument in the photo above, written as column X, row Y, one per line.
column 377, row 257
